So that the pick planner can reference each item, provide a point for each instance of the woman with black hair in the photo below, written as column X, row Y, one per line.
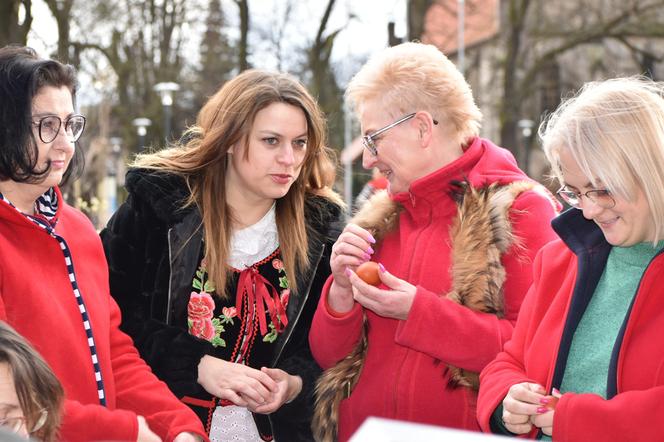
column 53, row 275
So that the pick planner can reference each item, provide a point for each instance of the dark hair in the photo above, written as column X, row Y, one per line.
column 22, row 75
column 36, row 386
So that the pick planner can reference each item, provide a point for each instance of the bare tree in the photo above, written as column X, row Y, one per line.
column 537, row 33
column 61, row 10
column 323, row 83
column 11, row 30
column 243, row 49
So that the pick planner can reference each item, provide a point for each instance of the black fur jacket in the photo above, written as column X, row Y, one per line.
column 153, row 247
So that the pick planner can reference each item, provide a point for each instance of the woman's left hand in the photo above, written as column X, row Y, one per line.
column 394, row 303
column 288, row 387
column 545, row 421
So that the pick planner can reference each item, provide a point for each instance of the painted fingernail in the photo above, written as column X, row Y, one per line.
column 381, row 267
column 366, row 256
column 544, row 401
column 370, row 250
column 542, row 410
column 555, row 391
column 372, row 240
column 347, row 271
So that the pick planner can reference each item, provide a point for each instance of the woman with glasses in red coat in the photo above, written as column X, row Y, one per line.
column 585, row 361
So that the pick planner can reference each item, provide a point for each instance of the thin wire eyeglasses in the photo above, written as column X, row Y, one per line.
column 49, row 127
column 601, row 197
column 369, row 142
column 15, row 423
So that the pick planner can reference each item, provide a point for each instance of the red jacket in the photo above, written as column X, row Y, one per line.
column 36, row 298
column 404, row 375
column 543, row 334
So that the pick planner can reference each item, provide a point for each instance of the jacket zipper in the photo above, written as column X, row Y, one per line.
column 170, row 278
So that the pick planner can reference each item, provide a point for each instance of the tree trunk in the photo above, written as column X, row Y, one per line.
column 61, row 11
column 11, row 31
column 243, row 62
column 417, row 10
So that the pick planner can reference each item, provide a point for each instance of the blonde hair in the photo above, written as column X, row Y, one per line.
column 614, row 130
column 226, row 119
column 414, row 76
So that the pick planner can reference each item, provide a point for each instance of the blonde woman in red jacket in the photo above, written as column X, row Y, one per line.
column 444, row 233
column 585, row 361
column 53, row 273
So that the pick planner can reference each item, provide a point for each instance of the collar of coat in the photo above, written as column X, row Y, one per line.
column 480, row 234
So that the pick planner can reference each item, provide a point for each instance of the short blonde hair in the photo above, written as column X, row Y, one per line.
column 614, row 130
column 414, row 76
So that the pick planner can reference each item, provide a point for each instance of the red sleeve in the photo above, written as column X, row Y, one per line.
column 139, row 390
column 507, row 368
column 632, row 415
column 333, row 336
column 83, row 423
column 470, row 339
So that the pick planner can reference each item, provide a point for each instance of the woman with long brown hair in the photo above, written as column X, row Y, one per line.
column 219, row 254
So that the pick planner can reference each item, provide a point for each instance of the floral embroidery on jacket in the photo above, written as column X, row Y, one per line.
column 201, row 319
column 200, row 311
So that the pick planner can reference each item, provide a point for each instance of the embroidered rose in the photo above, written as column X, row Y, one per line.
column 284, row 296
column 277, row 264
column 229, row 312
column 202, row 328
column 201, row 306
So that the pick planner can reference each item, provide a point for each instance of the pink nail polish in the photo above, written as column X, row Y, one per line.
column 381, row 267
column 542, row 410
column 372, row 240
column 555, row 391
column 366, row 256
column 544, row 401
column 370, row 250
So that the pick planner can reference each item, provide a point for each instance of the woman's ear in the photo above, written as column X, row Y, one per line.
column 424, row 124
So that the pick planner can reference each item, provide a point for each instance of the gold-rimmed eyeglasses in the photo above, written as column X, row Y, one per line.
column 369, row 140
column 601, row 197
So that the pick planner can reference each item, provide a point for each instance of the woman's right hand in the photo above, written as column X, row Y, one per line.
column 352, row 248
column 522, row 401
column 234, row 382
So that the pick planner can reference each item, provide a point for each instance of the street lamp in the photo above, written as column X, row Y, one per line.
column 166, row 91
column 526, row 127
column 142, row 125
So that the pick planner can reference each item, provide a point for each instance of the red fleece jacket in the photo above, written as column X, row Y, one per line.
column 404, row 375
column 547, row 319
column 36, row 298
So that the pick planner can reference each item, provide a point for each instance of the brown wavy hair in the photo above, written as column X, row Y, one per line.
column 226, row 119
column 39, row 392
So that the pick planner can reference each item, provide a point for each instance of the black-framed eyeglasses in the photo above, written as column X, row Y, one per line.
column 49, row 127
column 15, row 423
column 601, row 197
column 369, row 140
